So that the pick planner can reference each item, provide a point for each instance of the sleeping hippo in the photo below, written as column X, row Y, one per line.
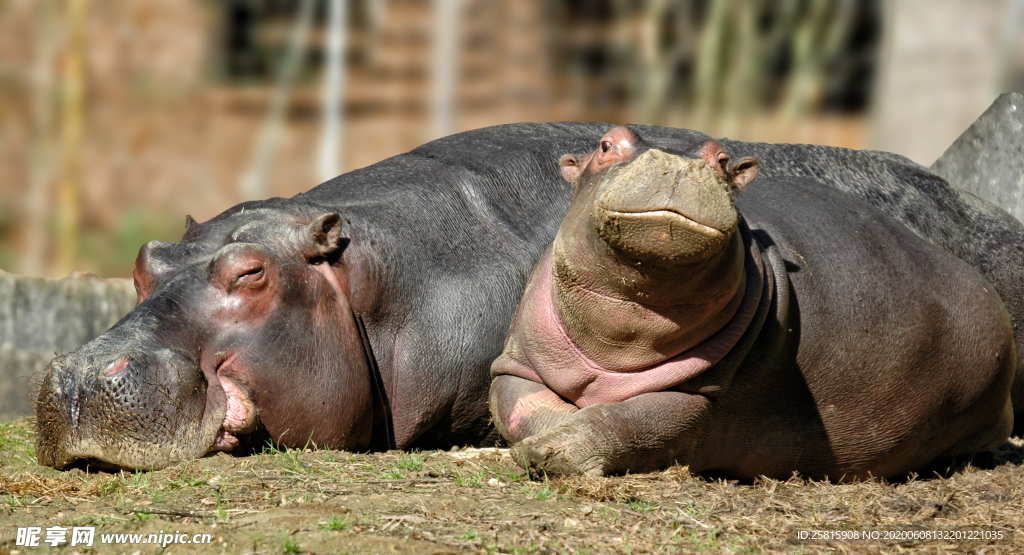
column 800, row 331
column 365, row 313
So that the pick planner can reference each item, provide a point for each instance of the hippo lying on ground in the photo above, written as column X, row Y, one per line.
column 812, row 334
column 366, row 312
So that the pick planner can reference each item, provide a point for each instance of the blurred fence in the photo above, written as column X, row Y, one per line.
column 154, row 110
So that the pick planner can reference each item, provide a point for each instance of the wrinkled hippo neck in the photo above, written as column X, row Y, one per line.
column 366, row 267
column 624, row 320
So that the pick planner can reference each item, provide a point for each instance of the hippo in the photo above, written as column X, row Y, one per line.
column 797, row 330
column 365, row 313
column 362, row 314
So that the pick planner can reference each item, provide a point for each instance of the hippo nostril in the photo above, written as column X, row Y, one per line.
column 115, row 367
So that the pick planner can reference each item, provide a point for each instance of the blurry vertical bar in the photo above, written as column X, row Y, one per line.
column 333, row 99
column 444, row 67
column 253, row 183
column 1011, row 48
column 655, row 63
column 72, row 88
column 37, row 218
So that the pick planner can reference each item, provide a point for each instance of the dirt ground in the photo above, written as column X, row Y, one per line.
column 477, row 500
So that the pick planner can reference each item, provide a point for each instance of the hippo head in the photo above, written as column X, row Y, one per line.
column 243, row 326
column 652, row 209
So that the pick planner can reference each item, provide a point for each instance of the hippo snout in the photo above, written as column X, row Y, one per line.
column 122, row 409
column 69, row 380
column 665, row 210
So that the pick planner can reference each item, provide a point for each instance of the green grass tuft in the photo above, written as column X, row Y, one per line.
column 411, row 462
column 641, row 506
column 289, row 545
column 336, row 524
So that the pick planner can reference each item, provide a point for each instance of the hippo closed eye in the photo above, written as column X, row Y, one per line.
column 797, row 333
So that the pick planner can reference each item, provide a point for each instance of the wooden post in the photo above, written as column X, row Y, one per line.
column 444, row 67
column 72, row 108
column 37, row 219
column 253, row 183
column 333, row 95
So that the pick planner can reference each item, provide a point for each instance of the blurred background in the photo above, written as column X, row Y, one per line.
column 119, row 117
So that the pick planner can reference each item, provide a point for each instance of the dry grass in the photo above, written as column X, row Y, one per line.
column 477, row 500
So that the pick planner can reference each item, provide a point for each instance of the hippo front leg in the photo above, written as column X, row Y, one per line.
column 644, row 433
column 522, row 408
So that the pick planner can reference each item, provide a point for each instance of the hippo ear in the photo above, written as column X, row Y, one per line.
column 325, row 241
column 151, row 262
column 191, row 227
column 570, row 166
column 742, row 173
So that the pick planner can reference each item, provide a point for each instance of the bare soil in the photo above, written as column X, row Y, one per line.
column 478, row 500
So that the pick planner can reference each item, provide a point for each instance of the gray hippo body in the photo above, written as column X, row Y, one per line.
column 871, row 351
column 890, row 354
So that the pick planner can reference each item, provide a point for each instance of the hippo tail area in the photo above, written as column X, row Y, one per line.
column 987, row 161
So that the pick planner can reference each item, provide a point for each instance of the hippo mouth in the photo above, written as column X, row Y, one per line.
column 661, row 236
column 676, row 217
column 239, row 408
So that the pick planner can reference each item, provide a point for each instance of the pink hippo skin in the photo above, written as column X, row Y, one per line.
column 654, row 331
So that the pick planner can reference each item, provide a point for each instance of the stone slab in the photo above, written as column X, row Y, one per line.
column 41, row 317
column 987, row 160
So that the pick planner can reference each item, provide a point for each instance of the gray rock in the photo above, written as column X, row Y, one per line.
column 987, row 160
column 41, row 317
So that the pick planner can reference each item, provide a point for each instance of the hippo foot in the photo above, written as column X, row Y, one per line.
column 567, row 450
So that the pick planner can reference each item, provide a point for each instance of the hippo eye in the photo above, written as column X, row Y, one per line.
column 723, row 161
column 606, row 145
column 251, row 276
